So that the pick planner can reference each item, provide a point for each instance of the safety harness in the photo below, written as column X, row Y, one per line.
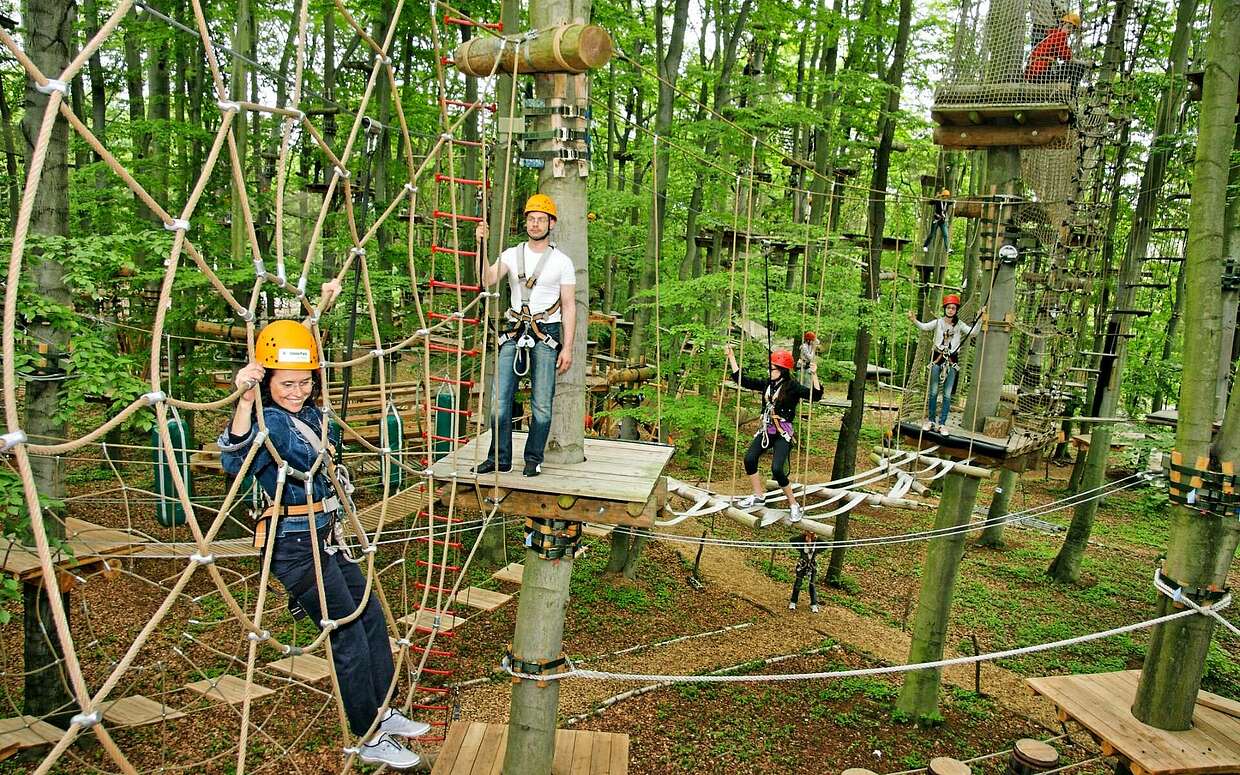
column 772, row 420
column 525, row 329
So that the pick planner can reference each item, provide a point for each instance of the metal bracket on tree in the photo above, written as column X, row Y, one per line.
column 518, row 667
column 1199, row 488
column 552, row 539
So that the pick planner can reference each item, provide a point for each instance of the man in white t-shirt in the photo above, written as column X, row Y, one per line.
column 538, row 340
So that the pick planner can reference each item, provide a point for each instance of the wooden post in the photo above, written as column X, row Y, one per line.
column 544, row 592
column 1175, row 660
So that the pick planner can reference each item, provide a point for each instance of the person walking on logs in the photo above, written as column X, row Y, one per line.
column 949, row 336
column 780, row 396
column 807, row 566
column 285, row 372
column 807, row 357
column 538, row 341
column 940, row 221
column 1051, row 60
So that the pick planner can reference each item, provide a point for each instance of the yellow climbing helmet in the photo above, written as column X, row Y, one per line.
column 945, row 192
column 540, row 203
column 1073, row 18
column 286, row 344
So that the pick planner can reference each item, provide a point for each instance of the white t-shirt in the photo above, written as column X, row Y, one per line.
column 557, row 270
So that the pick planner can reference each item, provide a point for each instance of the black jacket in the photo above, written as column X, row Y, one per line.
column 786, row 407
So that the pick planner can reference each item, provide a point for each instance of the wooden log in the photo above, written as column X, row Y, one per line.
column 916, row 487
column 998, row 136
column 626, row 376
column 570, row 48
column 689, row 492
column 219, row 329
column 977, row 472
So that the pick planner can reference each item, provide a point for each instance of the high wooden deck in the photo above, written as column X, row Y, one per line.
column 474, row 748
column 1100, row 702
column 620, row 482
column 1018, row 451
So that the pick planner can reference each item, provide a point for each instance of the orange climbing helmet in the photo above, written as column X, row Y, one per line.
column 945, row 192
column 1073, row 18
column 951, row 298
column 782, row 359
column 286, row 344
column 810, row 336
column 540, row 203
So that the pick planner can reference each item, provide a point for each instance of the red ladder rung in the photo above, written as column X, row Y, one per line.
column 435, row 724
column 454, row 286
column 433, row 652
column 437, row 565
column 441, row 542
column 443, row 348
column 441, row 518
column 456, row 216
column 435, row 437
column 432, row 690
column 420, row 706
column 445, row 316
column 434, row 588
column 446, row 61
column 429, row 631
column 450, row 381
column 452, row 251
column 450, row 19
column 433, row 671
column 442, row 178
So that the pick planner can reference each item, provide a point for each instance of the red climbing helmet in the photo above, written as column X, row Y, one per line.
column 951, row 298
column 782, row 359
column 810, row 336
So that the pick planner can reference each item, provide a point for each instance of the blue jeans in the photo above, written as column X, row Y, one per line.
column 949, row 382
column 361, row 651
column 542, row 393
column 940, row 226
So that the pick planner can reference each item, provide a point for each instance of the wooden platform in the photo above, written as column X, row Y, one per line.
column 513, row 573
column 482, row 599
column 401, row 506
column 137, row 711
column 87, row 543
column 307, row 667
column 1019, row 451
column 227, row 688
column 475, row 748
column 25, row 732
column 1100, row 702
column 620, row 482
column 426, row 619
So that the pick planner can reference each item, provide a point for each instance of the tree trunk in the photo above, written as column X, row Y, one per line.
column 10, row 154
column 1066, row 567
column 1175, row 659
column 850, row 427
column 992, row 536
column 48, row 25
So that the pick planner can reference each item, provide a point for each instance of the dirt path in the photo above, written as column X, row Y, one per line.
column 776, row 631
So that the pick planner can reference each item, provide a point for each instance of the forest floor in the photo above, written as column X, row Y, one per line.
column 1002, row 599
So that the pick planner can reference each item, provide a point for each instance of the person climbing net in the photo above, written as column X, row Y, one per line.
column 1051, row 60
column 780, row 396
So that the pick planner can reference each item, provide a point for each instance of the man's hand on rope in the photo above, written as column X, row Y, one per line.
column 250, row 374
column 331, row 290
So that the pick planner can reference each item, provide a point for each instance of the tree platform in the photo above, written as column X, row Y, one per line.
column 475, row 748
column 620, row 482
column 89, row 547
column 26, row 732
column 1018, row 451
column 1101, row 703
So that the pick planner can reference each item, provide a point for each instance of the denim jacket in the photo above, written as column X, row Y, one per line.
column 296, row 451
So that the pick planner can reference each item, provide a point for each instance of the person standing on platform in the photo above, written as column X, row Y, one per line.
column 807, row 567
column 949, row 336
column 780, row 396
column 538, row 340
column 807, row 357
column 940, row 222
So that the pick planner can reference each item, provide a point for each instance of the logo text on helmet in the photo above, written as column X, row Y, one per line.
column 293, row 355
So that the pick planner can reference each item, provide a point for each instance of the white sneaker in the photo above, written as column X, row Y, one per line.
column 797, row 513
column 792, row 606
column 749, row 501
column 814, row 608
column 397, row 723
column 383, row 749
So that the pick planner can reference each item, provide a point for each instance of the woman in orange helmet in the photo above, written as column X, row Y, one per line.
column 949, row 336
column 780, row 396
column 285, row 372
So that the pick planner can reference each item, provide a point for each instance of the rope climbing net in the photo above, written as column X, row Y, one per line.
column 441, row 332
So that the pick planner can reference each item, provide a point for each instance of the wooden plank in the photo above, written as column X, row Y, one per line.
column 512, row 573
column 562, row 761
column 474, row 736
column 598, row 531
column 619, row 764
column 582, row 749
column 424, row 618
column 600, row 753
column 490, row 750
column 228, row 688
column 541, row 504
column 1221, row 704
column 401, row 506
column 307, row 667
column 451, row 748
column 27, row 732
column 136, row 711
column 482, row 599
column 498, row 767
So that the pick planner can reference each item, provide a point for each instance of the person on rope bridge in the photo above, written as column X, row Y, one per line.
column 807, row 566
column 807, row 356
column 780, row 396
column 940, row 221
column 539, row 339
column 1051, row 59
column 285, row 371
column 949, row 336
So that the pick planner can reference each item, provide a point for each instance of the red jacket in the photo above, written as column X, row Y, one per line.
column 1053, row 46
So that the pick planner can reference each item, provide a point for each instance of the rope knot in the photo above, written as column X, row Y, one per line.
column 202, row 559
column 87, row 720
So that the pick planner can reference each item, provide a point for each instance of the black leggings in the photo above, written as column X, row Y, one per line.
column 779, row 465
